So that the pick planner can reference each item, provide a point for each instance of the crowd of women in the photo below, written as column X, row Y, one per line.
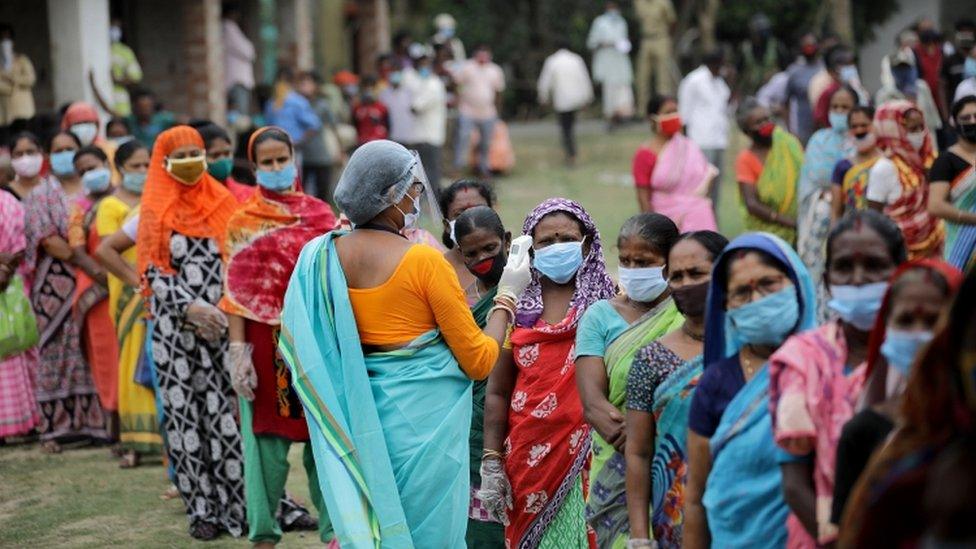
column 811, row 382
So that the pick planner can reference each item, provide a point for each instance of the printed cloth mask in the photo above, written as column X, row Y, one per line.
column 27, row 165
column 62, row 163
column 644, row 284
column 134, row 181
column 85, row 132
column 766, row 321
column 277, row 180
column 220, row 169
column 559, row 262
column 838, row 121
column 97, row 181
column 690, row 300
column 857, row 305
column 187, row 170
column 900, row 347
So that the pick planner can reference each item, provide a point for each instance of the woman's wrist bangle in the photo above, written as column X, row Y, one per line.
column 492, row 454
column 501, row 307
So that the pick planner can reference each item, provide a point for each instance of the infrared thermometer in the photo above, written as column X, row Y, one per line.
column 519, row 250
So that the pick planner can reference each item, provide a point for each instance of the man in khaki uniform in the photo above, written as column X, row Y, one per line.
column 657, row 19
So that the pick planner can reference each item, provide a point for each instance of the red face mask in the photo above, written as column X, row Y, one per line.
column 766, row 130
column 483, row 267
column 669, row 124
column 809, row 50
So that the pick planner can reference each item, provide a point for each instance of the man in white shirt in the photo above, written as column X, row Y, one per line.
column 479, row 82
column 238, row 61
column 398, row 98
column 565, row 84
column 429, row 107
column 703, row 102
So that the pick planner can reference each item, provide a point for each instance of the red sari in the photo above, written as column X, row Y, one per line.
column 548, row 442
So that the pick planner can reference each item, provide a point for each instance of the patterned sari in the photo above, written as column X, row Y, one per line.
column 63, row 382
column 961, row 239
column 669, row 467
column 679, row 185
column 606, row 507
column 392, row 458
column 777, row 185
column 855, row 185
column 924, row 234
column 138, row 420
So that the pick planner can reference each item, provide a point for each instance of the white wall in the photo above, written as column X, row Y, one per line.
column 78, row 31
column 870, row 54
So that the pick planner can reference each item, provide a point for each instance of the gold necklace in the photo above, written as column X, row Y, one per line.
column 750, row 369
column 692, row 335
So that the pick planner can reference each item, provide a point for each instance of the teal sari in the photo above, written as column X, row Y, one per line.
column 389, row 430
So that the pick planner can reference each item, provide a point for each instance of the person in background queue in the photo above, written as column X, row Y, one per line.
column 760, row 294
column 260, row 251
column 660, row 386
column 610, row 334
column 453, row 201
column 816, row 377
column 182, row 227
column 952, row 187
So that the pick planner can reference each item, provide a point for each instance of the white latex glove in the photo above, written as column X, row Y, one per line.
column 639, row 543
column 515, row 279
column 209, row 321
column 239, row 365
column 496, row 492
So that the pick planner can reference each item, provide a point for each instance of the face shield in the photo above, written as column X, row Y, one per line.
column 428, row 199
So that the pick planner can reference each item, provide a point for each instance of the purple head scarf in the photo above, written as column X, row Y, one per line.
column 592, row 281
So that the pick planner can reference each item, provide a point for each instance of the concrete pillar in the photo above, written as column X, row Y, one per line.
column 203, row 60
column 374, row 33
column 332, row 44
column 78, row 30
column 303, row 35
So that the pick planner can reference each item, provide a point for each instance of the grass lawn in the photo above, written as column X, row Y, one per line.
column 80, row 498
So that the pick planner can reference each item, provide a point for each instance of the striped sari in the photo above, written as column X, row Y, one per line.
column 961, row 239
column 389, row 430
column 777, row 185
column 606, row 507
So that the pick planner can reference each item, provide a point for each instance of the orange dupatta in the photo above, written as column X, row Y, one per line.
column 200, row 210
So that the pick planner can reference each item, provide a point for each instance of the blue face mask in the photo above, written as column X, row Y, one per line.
column 857, row 305
column 969, row 67
column 766, row 321
column 838, row 121
column 97, row 181
column 643, row 285
column 559, row 262
column 424, row 72
column 62, row 163
column 848, row 74
column 134, row 181
column 277, row 180
column 900, row 348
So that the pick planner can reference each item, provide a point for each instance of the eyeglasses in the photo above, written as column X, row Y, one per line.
column 741, row 295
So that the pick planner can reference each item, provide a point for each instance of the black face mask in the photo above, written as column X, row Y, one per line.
column 489, row 270
column 967, row 132
column 760, row 139
column 690, row 300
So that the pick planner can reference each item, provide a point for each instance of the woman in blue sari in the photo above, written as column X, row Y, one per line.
column 760, row 294
column 382, row 349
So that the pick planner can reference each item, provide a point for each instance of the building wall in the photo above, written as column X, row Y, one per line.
column 156, row 36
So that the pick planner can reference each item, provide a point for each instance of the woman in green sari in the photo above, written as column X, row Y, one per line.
column 768, row 172
column 610, row 334
column 482, row 243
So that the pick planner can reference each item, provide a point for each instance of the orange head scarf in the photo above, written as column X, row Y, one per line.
column 79, row 112
column 200, row 210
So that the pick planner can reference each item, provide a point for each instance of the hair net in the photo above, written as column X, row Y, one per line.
column 377, row 176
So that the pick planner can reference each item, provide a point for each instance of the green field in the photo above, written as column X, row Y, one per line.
column 81, row 498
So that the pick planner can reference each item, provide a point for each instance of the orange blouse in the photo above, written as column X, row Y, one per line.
column 423, row 293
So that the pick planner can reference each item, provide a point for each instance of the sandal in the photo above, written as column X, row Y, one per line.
column 170, row 493
column 204, row 531
column 129, row 460
column 50, row 447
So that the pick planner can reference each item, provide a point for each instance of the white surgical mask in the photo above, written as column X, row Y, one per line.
column 115, row 33
column 85, row 131
column 917, row 139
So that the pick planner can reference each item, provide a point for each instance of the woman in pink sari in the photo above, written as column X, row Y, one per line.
column 671, row 173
